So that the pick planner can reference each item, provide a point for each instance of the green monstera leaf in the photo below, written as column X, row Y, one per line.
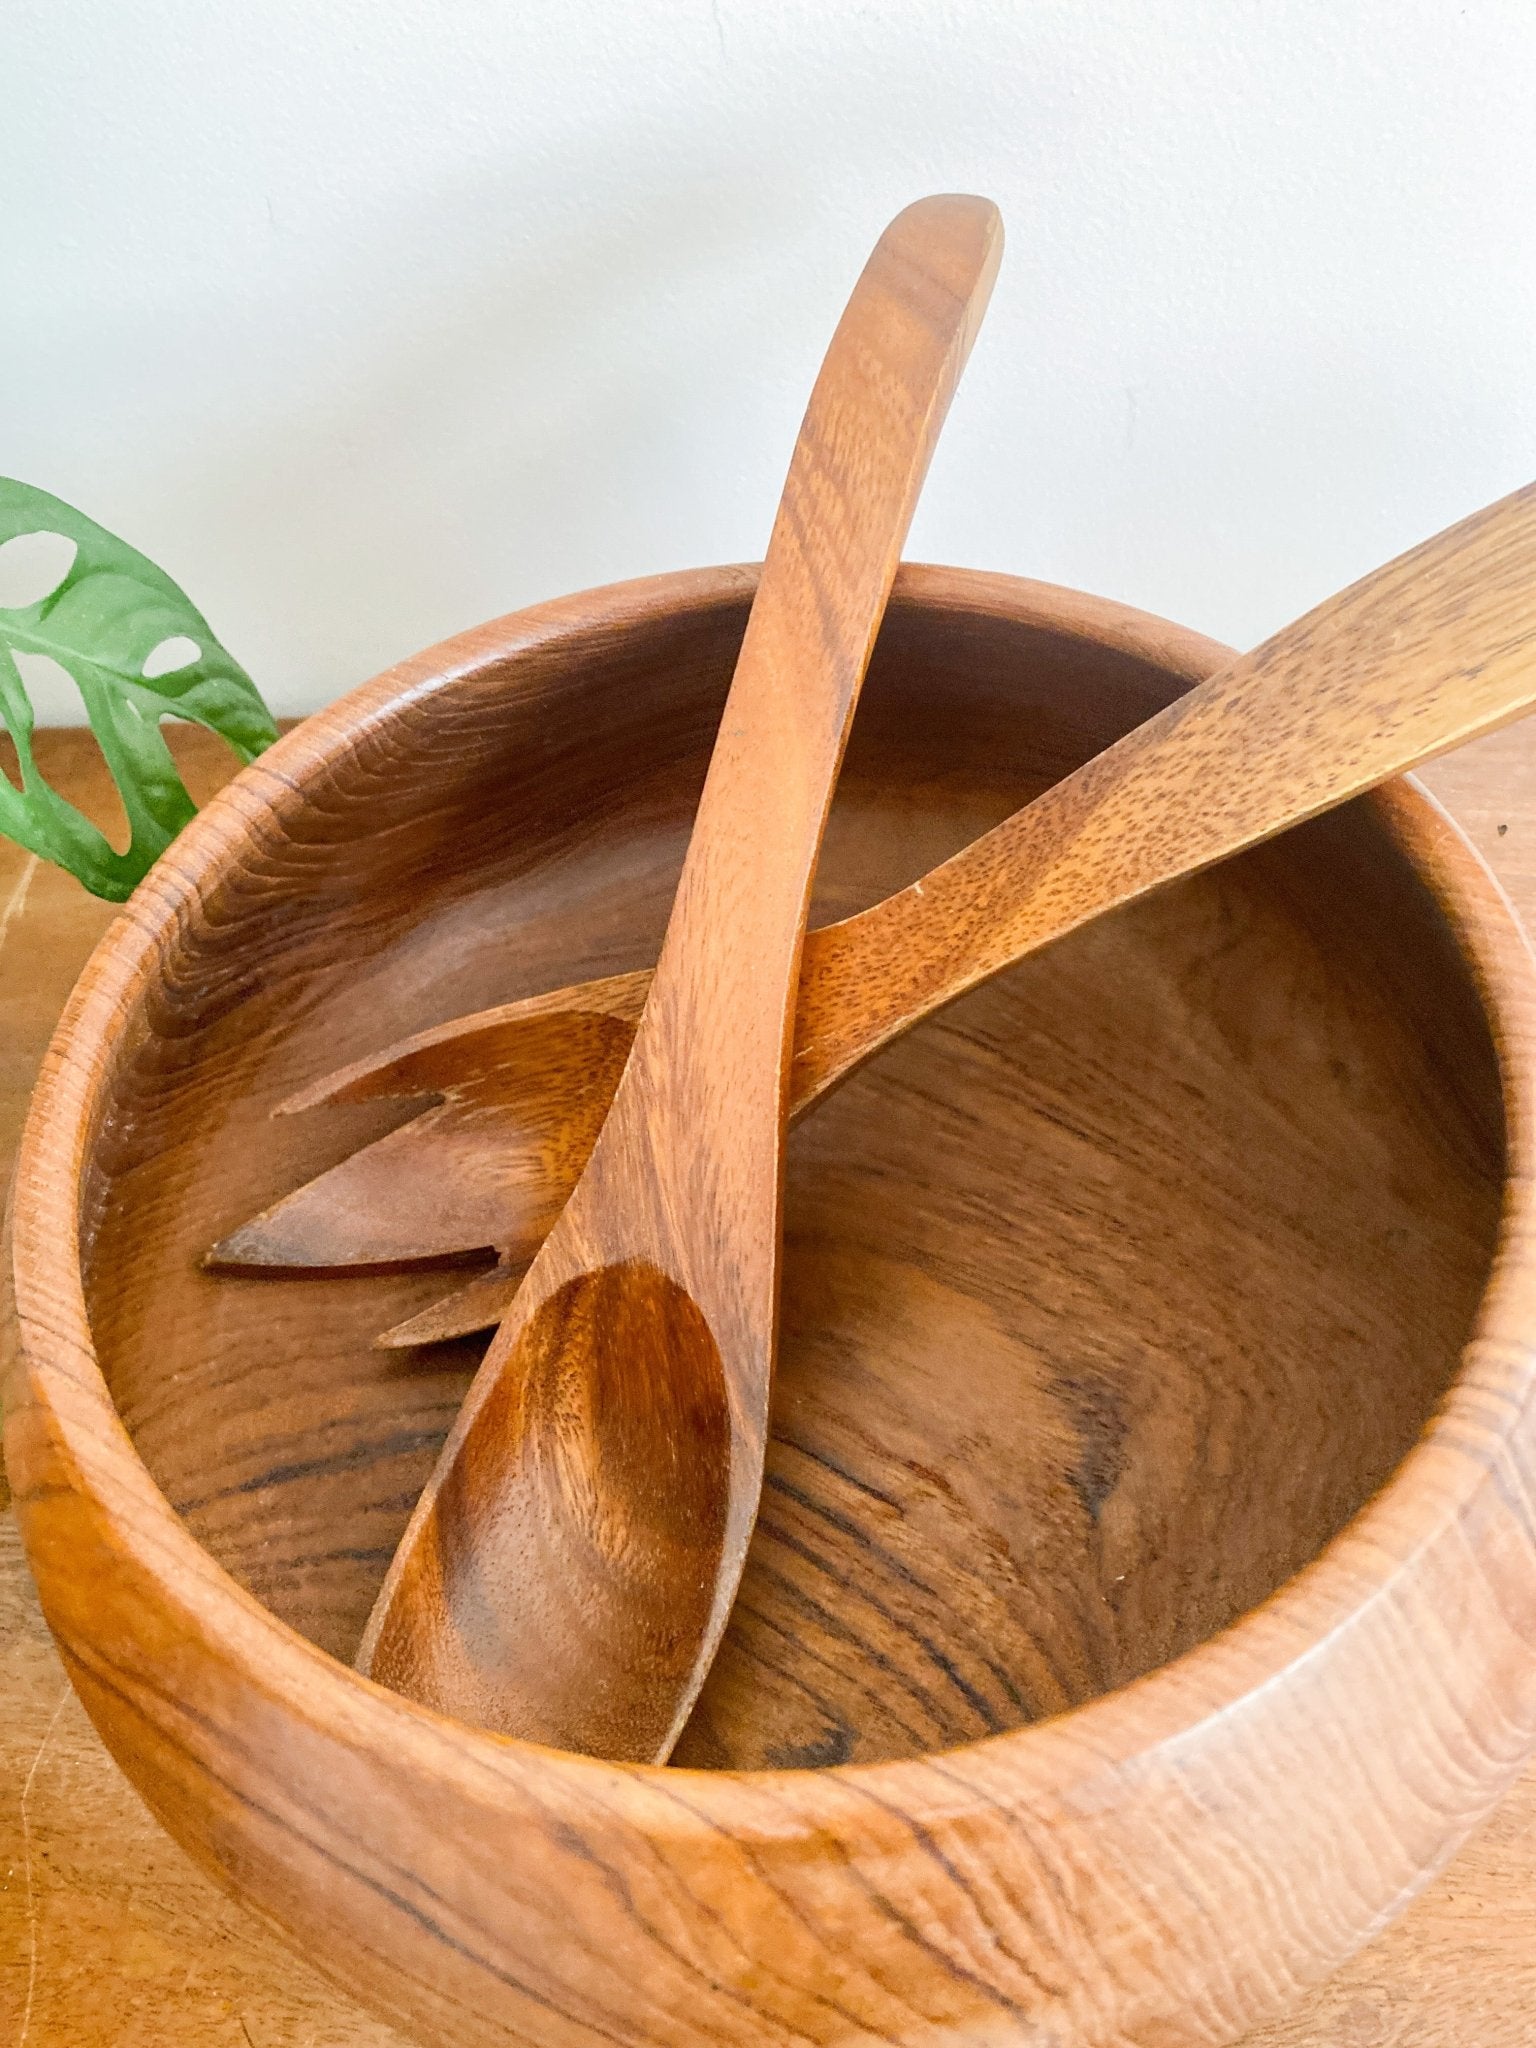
column 139, row 651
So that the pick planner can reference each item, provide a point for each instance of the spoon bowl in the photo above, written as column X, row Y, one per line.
column 614, row 1407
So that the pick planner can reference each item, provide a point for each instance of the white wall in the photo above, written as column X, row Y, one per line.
column 371, row 318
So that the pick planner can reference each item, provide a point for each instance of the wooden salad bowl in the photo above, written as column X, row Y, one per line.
column 1143, row 1602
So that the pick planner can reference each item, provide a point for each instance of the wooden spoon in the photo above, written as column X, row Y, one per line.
column 569, row 1568
column 1420, row 656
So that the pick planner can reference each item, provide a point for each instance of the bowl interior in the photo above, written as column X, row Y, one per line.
column 1110, row 1294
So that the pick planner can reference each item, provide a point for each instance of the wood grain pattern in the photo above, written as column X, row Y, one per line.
column 568, row 1571
column 1435, row 648
column 1159, row 1267
column 111, row 1938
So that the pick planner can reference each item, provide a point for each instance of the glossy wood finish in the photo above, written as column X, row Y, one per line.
column 568, row 1571
column 1113, row 1296
column 1420, row 656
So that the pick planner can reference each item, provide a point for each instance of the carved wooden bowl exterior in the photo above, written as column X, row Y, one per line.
column 1144, row 1597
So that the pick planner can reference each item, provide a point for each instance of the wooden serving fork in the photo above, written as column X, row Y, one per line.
column 1420, row 656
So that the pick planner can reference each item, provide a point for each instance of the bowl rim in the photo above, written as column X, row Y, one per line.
column 57, row 1380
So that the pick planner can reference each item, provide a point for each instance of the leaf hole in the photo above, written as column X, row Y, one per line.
column 55, row 694
column 32, row 566
column 57, row 699
column 177, row 652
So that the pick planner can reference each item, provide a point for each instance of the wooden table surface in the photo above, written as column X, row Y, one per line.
column 109, row 1938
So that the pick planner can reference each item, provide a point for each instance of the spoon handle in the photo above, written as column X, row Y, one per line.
column 713, row 1043
column 1418, row 657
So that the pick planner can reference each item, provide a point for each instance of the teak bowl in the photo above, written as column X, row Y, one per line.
column 1147, row 1550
